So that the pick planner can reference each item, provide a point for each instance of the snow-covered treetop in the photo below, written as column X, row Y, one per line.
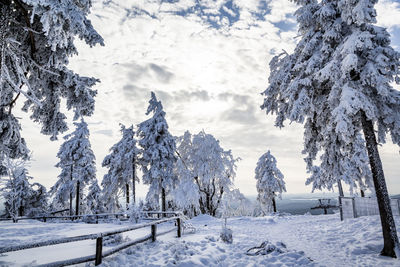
column 269, row 177
column 155, row 106
column 121, row 160
column 36, row 41
column 77, row 151
column 77, row 162
column 342, row 67
column 158, row 146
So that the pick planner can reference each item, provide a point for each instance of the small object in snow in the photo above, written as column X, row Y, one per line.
column 226, row 235
column 113, row 240
column 265, row 248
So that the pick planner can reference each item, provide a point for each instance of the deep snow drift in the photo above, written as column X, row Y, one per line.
column 307, row 241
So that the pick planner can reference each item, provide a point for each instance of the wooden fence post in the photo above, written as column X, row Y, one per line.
column 153, row 232
column 99, row 250
column 354, row 207
column 179, row 230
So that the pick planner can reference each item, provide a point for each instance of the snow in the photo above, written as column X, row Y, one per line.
column 307, row 241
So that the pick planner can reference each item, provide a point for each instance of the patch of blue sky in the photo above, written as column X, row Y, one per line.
column 395, row 37
column 263, row 10
column 137, row 12
column 285, row 25
column 228, row 12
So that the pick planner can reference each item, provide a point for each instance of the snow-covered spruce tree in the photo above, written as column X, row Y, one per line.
column 269, row 182
column 121, row 164
column 78, row 167
column 37, row 204
column 212, row 169
column 36, row 41
column 158, row 154
column 16, row 188
column 93, row 201
column 338, row 80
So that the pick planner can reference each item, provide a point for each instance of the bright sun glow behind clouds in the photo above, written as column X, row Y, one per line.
column 208, row 62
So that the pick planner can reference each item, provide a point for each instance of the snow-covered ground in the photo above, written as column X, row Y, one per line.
column 310, row 241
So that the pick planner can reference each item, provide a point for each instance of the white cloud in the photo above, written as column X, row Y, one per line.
column 190, row 65
column 388, row 14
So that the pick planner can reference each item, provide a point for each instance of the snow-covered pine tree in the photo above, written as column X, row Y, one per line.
column 121, row 164
column 78, row 167
column 338, row 80
column 208, row 166
column 16, row 189
column 158, row 154
column 93, row 199
column 37, row 204
column 36, row 41
column 270, row 182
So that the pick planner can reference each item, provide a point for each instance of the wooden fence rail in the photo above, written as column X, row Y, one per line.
column 95, row 216
column 99, row 242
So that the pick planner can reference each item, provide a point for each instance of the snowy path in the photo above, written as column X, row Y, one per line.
column 329, row 241
column 324, row 239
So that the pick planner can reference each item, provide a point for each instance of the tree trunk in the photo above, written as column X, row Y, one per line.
column 274, row 203
column 339, row 182
column 77, row 198
column 21, row 211
column 127, row 196
column 390, row 239
column 134, row 186
column 163, row 201
column 70, row 195
column 362, row 193
column 70, row 204
column 340, row 187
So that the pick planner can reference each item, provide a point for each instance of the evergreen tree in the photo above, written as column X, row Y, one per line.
column 121, row 164
column 36, row 41
column 77, row 163
column 338, row 80
column 269, row 182
column 158, row 154
column 16, row 188
column 93, row 199
column 37, row 204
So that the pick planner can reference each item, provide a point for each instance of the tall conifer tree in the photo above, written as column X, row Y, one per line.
column 78, row 167
column 121, row 164
column 338, row 80
column 158, row 154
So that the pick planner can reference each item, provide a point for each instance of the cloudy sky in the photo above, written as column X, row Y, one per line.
column 207, row 61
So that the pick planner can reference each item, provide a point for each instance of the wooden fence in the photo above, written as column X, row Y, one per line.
column 150, row 216
column 97, row 257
